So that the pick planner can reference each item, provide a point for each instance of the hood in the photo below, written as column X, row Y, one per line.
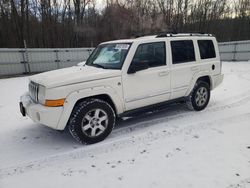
column 73, row 75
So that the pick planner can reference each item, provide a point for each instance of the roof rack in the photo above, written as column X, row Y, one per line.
column 171, row 34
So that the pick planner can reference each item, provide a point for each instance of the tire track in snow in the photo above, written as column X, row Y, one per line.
column 120, row 131
column 178, row 116
column 115, row 142
column 111, row 145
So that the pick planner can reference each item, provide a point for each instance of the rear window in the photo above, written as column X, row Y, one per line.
column 206, row 48
column 182, row 51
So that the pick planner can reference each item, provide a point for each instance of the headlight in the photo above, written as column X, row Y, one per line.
column 41, row 94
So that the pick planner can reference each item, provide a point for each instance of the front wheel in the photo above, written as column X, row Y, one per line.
column 199, row 97
column 91, row 121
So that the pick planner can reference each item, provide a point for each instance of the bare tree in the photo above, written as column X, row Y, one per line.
column 75, row 23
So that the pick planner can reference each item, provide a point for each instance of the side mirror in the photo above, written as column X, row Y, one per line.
column 136, row 66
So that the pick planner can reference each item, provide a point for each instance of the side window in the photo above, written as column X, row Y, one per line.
column 152, row 53
column 206, row 48
column 182, row 51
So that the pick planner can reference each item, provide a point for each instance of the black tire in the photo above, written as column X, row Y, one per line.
column 192, row 102
column 83, row 117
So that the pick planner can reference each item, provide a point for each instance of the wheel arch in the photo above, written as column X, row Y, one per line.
column 104, row 93
column 105, row 97
column 206, row 79
column 201, row 77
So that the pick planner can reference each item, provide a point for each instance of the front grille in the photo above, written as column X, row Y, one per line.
column 33, row 91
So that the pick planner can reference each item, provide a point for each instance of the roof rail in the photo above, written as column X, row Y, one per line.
column 182, row 34
column 153, row 33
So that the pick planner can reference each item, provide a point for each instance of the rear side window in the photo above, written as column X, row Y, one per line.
column 182, row 51
column 206, row 48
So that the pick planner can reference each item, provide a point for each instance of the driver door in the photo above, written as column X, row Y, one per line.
column 149, row 86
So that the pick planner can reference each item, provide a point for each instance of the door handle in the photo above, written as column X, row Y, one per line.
column 195, row 68
column 164, row 73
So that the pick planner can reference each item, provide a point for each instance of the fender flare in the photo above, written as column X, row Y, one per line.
column 195, row 78
column 75, row 96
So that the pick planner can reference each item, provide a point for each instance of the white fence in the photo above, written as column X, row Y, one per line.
column 23, row 61
column 235, row 51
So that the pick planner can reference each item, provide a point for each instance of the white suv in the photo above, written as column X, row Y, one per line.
column 122, row 76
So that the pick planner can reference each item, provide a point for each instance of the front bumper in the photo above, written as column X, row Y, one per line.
column 48, row 116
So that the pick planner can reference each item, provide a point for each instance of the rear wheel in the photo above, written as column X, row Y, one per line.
column 199, row 97
column 91, row 121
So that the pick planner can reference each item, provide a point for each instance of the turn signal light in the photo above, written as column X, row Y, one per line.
column 54, row 103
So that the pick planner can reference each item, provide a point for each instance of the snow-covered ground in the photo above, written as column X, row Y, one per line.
column 170, row 147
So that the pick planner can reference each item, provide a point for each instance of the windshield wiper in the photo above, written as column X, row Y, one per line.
column 98, row 65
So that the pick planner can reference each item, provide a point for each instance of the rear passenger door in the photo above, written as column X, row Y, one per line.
column 184, row 66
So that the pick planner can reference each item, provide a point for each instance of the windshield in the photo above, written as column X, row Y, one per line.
column 109, row 56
